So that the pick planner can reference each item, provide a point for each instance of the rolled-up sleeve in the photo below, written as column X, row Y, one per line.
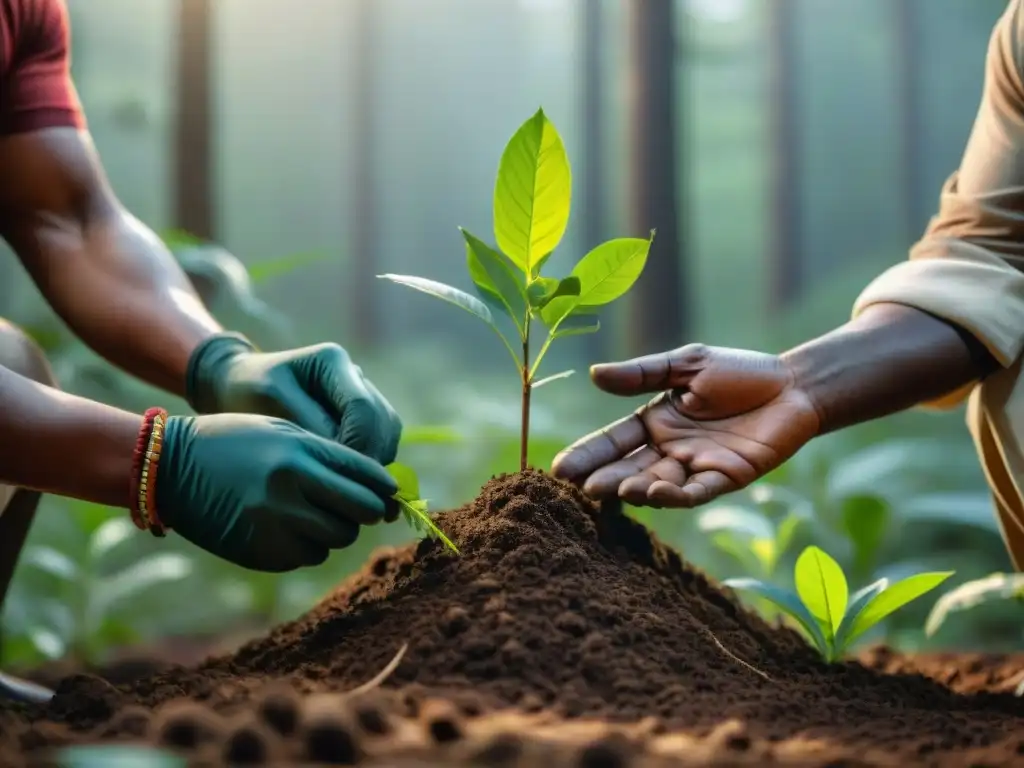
column 968, row 269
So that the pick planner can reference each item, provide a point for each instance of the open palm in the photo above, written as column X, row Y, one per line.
column 723, row 418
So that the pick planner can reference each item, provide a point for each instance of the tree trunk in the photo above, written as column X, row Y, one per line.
column 364, row 327
column 786, row 250
column 906, row 25
column 194, row 208
column 593, row 193
column 659, row 310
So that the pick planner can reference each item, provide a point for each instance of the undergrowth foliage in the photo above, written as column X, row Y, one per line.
column 825, row 610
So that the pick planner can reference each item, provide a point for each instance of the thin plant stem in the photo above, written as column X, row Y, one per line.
column 540, row 355
column 524, row 433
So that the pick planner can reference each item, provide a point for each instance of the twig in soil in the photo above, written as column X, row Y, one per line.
column 733, row 656
column 381, row 676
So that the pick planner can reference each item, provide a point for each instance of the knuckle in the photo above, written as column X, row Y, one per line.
column 335, row 353
column 693, row 353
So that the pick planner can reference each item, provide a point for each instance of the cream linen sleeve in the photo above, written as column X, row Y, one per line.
column 968, row 269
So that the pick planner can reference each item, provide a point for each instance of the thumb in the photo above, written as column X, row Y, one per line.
column 651, row 373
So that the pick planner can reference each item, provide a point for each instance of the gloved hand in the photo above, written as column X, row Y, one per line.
column 318, row 388
column 725, row 418
column 264, row 493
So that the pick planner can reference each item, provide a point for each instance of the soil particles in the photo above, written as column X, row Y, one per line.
column 561, row 635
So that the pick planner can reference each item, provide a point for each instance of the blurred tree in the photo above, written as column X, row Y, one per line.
column 907, row 54
column 364, row 326
column 194, row 176
column 659, row 309
column 786, row 250
column 593, row 207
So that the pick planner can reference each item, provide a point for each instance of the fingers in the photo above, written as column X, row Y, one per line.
column 635, row 490
column 651, row 373
column 349, row 464
column 322, row 529
column 338, row 496
column 590, row 453
column 667, row 487
column 303, row 411
column 390, row 426
column 605, row 481
column 363, row 419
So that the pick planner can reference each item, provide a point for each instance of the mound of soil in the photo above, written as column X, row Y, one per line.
column 561, row 635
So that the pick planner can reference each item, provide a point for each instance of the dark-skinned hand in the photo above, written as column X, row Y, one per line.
column 723, row 418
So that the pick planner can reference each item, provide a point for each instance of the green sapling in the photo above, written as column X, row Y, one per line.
column 532, row 198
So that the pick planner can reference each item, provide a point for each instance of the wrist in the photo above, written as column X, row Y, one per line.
column 890, row 358
column 145, row 473
column 206, row 369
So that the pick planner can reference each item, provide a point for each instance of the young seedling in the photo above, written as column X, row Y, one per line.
column 822, row 606
column 531, row 211
column 414, row 509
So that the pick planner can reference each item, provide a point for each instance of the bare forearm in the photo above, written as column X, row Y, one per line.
column 888, row 359
column 123, row 294
column 58, row 443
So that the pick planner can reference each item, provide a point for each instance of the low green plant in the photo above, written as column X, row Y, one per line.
column 824, row 609
column 750, row 536
column 532, row 198
column 971, row 594
column 89, row 606
column 414, row 509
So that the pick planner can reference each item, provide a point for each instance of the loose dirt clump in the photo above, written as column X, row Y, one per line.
column 560, row 635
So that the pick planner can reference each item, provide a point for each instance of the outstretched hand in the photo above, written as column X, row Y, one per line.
column 723, row 418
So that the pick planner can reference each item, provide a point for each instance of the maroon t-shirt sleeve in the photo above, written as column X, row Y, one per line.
column 39, row 92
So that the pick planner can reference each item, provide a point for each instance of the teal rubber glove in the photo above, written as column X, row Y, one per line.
column 318, row 388
column 263, row 493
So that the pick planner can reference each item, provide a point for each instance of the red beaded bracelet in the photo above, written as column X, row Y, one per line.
column 145, row 460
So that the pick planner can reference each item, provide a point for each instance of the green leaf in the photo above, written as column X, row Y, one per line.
column 416, row 515
column 138, row 578
column 532, row 195
column 179, row 238
column 444, row 292
column 726, row 542
column 544, row 289
column 786, row 530
column 577, row 325
column 111, row 534
column 552, row 377
column 52, row 561
column 998, row 586
column 858, row 600
column 864, row 518
column 766, row 553
column 894, row 598
column 539, row 292
column 265, row 270
column 408, row 482
column 611, row 269
column 787, row 602
column 47, row 642
column 736, row 520
column 822, row 587
column 494, row 277
column 430, row 435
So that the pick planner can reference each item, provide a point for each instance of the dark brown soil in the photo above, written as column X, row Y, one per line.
column 560, row 636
